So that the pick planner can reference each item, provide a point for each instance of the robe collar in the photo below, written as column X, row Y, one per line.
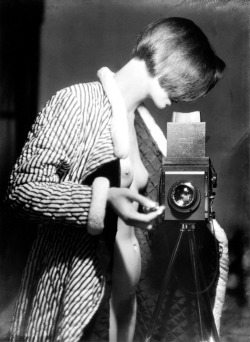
column 119, row 123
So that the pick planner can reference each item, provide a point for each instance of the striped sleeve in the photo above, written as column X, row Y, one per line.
column 36, row 189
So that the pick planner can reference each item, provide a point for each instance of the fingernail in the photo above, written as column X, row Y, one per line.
column 147, row 210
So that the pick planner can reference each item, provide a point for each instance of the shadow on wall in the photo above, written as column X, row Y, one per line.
column 239, row 173
column 236, row 314
column 238, row 267
column 235, row 319
column 20, row 23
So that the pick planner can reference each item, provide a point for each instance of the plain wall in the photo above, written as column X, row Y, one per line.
column 77, row 37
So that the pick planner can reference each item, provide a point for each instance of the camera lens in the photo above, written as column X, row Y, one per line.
column 184, row 196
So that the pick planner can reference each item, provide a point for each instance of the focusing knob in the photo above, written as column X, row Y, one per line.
column 214, row 180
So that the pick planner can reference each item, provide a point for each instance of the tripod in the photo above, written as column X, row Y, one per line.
column 201, row 297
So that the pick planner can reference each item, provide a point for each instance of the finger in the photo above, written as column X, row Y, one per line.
column 144, row 201
column 148, row 227
column 147, row 210
column 144, row 226
column 149, row 217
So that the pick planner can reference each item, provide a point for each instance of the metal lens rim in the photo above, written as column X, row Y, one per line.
column 196, row 198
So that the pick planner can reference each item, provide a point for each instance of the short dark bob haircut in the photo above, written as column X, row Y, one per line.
column 178, row 52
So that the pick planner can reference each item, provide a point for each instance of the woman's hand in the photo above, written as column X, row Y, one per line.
column 122, row 201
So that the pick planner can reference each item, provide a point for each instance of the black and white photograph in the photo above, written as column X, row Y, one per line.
column 125, row 171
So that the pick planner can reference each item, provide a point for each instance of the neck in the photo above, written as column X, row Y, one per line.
column 132, row 81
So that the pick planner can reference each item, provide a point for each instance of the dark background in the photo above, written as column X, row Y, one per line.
column 48, row 45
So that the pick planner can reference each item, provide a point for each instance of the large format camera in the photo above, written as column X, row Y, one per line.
column 188, row 177
column 186, row 189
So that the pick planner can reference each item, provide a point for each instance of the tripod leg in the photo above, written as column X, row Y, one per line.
column 193, row 256
column 208, row 305
column 206, row 297
column 164, row 286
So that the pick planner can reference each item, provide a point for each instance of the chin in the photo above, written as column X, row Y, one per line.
column 161, row 105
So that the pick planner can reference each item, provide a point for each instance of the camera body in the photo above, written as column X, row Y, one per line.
column 188, row 178
column 186, row 189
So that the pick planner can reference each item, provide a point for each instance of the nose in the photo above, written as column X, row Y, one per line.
column 168, row 102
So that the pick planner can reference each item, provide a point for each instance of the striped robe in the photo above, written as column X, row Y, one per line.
column 62, row 285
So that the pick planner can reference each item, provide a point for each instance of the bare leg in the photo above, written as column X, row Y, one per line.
column 126, row 274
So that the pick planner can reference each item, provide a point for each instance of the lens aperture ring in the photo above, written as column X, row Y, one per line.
column 184, row 196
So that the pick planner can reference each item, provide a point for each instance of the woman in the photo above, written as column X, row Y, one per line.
column 80, row 174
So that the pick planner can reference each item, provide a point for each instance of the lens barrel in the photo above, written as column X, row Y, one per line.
column 184, row 196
